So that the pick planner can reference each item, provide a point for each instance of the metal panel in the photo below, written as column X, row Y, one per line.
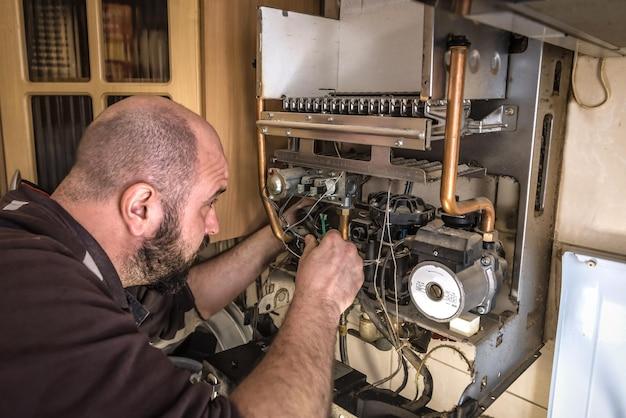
column 298, row 54
column 375, row 47
column 487, row 58
column 505, row 354
column 588, row 378
column 593, row 27
column 380, row 46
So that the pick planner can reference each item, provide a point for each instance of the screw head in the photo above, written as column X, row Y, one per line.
column 481, row 310
column 436, row 253
column 399, row 143
column 485, row 261
column 592, row 263
column 509, row 111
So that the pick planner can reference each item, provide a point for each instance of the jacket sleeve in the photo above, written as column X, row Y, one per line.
column 171, row 318
column 68, row 350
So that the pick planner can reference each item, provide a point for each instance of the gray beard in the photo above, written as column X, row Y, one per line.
column 160, row 262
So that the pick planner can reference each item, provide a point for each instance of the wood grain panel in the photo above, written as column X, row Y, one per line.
column 229, row 51
column 3, row 177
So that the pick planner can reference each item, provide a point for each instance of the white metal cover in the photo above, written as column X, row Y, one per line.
column 589, row 369
column 380, row 46
column 298, row 54
column 376, row 46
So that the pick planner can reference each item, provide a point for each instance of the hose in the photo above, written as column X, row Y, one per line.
column 343, row 339
column 368, row 306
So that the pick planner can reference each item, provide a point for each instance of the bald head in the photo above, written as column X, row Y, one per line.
column 140, row 139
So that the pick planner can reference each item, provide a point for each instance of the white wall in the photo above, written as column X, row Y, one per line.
column 591, row 213
column 592, row 199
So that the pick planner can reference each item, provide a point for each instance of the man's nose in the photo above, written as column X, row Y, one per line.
column 212, row 226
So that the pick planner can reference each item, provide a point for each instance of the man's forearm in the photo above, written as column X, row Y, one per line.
column 219, row 280
column 297, row 367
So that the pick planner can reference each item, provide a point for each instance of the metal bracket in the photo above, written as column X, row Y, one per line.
column 379, row 164
column 436, row 110
column 407, row 133
column 503, row 119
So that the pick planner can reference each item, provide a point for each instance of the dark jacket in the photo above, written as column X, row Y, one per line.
column 69, row 342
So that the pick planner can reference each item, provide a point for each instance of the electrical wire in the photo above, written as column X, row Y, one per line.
column 283, row 207
column 603, row 81
column 290, row 227
column 384, row 266
column 393, row 256
column 393, row 374
column 337, row 149
column 470, row 366
column 325, row 194
column 368, row 306
column 392, row 331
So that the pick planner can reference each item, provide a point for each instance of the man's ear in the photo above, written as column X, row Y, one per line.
column 141, row 210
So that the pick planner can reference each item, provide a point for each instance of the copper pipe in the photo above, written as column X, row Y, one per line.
column 462, row 7
column 344, row 223
column 344, row 229
column 271, row 213
column 452, row 143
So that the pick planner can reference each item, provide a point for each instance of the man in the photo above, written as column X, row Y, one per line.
column 134, row 210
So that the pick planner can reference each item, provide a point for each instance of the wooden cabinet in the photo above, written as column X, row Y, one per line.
column 89, row 50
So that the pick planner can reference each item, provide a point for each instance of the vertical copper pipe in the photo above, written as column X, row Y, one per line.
column 462, row 7
column 452, row 143
column 271, row 213
column 344, row 223
column 344, row 229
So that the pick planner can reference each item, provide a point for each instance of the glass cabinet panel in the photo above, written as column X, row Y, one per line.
column 111, row 100
column 58, row 124
column 56, row 40
column 136, row 45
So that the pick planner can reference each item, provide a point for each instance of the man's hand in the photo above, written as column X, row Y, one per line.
column 330, row 273
column 298, row 365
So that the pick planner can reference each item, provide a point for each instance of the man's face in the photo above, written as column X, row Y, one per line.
column 165, row 260
column 186, row 227
column 198, row 213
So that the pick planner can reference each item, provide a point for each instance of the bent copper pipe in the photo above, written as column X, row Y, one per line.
column 271, row 213
column 452, row 143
